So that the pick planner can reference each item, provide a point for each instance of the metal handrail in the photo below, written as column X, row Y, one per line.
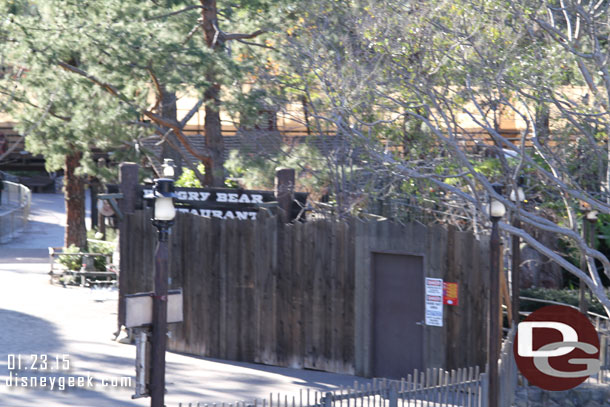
column 564, row 304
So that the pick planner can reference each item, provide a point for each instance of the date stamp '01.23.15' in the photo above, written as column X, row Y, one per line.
column 53, row 372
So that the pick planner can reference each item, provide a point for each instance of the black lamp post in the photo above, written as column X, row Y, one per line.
column 163, row 218
column 496, row 212
column 517, row 195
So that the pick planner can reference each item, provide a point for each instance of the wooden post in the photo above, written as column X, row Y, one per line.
column 284, row 192
column 101, row 223
column 494, row 306
column 582, row 299
column 504, row 290
column 516, row 269
column 128, row 182
column 592, row 231
column 94, row 189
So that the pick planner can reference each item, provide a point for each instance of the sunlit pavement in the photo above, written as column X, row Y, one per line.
column 73, row 328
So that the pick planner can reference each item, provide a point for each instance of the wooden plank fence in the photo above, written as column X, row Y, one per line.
column 299, row 295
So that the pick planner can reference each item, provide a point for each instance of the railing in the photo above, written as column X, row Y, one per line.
column 434, row 387
column 507, row 371
column 591, row 314
column 14, row 209
column 602, row 325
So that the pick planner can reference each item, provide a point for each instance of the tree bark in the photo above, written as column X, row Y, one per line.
column 214, row 169
column 542, row 119
column 74, row 193
column 169, row 110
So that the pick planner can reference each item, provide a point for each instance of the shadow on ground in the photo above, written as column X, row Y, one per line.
column 24, row 334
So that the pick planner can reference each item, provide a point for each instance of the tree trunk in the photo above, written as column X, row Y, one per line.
column 543, row 121
column 606, row 187
column 214, row 169
column 74, row 192
column 169, row 111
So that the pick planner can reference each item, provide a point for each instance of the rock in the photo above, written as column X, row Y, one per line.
column 597, row 394
column 534, row 394
column 531, row 265
column 521, row 403
column 559, row 396
column 583, row 395
column 567, row 403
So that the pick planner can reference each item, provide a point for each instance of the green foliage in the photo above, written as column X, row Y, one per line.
column 111, row 235
column 126, row 46
column 101, row 247
column 603, row 227
column 72, row 262
column 252, row 170
column 258, row 171
column 570, row 297
column 490, row 167
column 75, row 262
column 188, row 179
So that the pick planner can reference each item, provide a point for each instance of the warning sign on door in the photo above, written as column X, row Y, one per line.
column 434, row 301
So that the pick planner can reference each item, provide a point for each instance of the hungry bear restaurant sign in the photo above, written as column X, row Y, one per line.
column 227, row 203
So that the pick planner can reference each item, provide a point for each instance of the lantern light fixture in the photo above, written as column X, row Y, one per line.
column 496, row 207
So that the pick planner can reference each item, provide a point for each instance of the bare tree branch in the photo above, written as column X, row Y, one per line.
column 235, row 36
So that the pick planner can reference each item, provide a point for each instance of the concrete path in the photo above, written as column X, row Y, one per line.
column 72, row 328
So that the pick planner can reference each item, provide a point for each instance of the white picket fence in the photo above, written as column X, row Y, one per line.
column 434, row 387
column 467, row 387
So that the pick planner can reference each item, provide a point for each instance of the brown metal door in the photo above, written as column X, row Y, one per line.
column 398, row 309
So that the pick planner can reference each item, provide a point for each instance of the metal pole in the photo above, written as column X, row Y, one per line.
column 159, row 328
column 494, row 313
column 516, row 264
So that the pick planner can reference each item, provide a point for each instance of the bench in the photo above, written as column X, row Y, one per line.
column 85, row 276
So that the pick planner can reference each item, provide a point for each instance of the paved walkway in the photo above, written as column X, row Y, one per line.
column 76, row 324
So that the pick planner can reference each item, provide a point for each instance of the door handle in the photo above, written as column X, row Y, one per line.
column 420, row 323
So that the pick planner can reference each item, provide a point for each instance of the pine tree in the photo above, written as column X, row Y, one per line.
column 103, row 73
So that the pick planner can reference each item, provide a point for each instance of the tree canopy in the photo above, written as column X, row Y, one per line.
column 417, row 96
column 108, row 73
column 421, row 88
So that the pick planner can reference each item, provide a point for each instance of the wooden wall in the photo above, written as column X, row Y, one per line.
column 449, row 254
column 300, row 295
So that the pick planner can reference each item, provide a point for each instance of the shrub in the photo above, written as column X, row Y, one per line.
column 71, row 262
column 103, row 247
column 570, row 297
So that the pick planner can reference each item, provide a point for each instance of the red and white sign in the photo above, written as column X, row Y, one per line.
column 434, row 301
column 450, row 293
